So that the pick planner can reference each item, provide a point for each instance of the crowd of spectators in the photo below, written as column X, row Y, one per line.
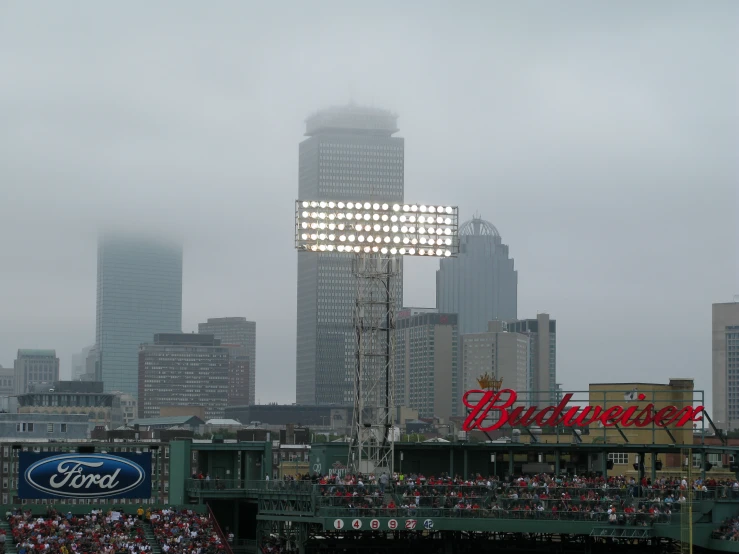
column 729, row 530
column 185, row 531
column 616, row 499
column 113, row 532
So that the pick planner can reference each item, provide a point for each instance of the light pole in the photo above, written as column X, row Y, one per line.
column 377, row 234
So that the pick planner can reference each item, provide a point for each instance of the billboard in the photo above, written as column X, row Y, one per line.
column 76, row 476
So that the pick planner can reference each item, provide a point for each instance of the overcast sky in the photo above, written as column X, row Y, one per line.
column 600, row 138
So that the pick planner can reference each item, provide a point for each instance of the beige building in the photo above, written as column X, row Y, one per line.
column 500, row 354
column 426, row 364
column 725, row 365
column 678, row 393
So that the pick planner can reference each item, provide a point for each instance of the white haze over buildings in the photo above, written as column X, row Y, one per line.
column 600, row 138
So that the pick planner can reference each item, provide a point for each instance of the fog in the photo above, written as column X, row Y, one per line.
column 601, row 140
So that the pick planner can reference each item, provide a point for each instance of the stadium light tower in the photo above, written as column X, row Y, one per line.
column 377, row 235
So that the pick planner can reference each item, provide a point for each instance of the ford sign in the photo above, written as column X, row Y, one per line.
column 70, row 475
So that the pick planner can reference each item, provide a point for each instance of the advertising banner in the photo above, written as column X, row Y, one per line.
column 76, row 476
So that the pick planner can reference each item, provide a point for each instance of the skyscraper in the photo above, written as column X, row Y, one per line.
column 139, row 294
column 35, row 367
column 480, row 284
column 184, row 370
column 350, row 154
column 542, row 333
column 426, row 377
column 725, row 365
column 499, row 353
column 239, row 332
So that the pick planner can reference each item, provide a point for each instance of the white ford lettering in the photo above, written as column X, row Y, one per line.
column 71, row 471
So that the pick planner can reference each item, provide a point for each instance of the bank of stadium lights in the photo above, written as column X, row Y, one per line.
column 372, row 227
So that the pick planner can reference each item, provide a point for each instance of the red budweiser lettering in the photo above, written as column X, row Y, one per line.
column 498, row 408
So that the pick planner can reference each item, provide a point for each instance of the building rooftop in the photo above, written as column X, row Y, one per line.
column 352, row 118
column 172, row 420
column 478, row 227
column 222, row 422
column 36, row 352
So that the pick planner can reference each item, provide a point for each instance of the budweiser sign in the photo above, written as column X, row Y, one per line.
column 491, row 410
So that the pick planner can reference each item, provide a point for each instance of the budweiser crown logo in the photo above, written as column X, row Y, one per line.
column 487, row 382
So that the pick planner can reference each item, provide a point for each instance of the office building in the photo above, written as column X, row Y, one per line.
column 725, row 365
column 497, row 353
column 426, row 364
column 7, row 381
column 41, row 427
column 240, row 391
column 74, row 397
column 350, row 154
column 35, row 367
column 79, row 365
column 139, row 294
column 542, row 333
column 479, row 285
column 237, row 331
column 181, row 369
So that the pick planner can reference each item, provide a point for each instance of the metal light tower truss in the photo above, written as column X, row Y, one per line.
column 377, row 235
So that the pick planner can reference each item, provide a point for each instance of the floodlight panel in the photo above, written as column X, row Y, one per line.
column 377, row 227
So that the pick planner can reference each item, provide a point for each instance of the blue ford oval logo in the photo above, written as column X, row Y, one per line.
column 85, row 475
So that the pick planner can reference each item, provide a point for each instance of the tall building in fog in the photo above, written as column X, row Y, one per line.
column 350, row 154
column 139, row 294
column 426, row 376
column 237, row 331
column 35, row 367
column 542, row 333
column 725, row 365
column 79, row 364
column 480, row 284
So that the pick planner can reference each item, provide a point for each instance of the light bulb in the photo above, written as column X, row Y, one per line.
column 422, row 219
column 360, row 238
column 322, row 204
column 421, row 252
column 350, row 205
column 304, row 225
column 401, row 251
column 448, row 253
column 367, row 249
column 432, row 209
column 393, row 251
column 305, row 204
column 394, row 218
column 367, row 205
column 376, row 217
column 406, row 208
column 447, row 231
column 385, row 206
column 356, row 248
column 411, row 229
column 405, row 240
column 423, row 208
column 439, row 252
column 396, row 240
column 314, row 204
column 387, row 239
column 384, row 217
column 330, row 247
column 351, row 238
column 448, row 209
column 383, row 250
column 331, row 226
column 342, row 238
column 304, row 236
column 414, row 208
column 340, row 205
column 375, row 206
column 412, row 251
column 305, row 214
column 386, row 228
column 423, row 240
column 396, row 207
column 421, row 230
column 377, row 227
column 366, row 217
column 448, row 242
column 322, row 248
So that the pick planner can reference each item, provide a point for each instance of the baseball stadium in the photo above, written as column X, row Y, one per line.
column 617, row 468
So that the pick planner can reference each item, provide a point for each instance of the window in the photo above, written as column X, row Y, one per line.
column 62, row 427
column 619, row 458
column 49, row 427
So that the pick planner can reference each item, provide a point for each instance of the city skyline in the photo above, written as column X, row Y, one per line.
column 601, row 143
